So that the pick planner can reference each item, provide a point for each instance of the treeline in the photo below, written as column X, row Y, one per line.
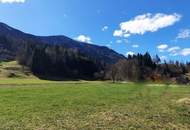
column 145, row 68
column 58, row 63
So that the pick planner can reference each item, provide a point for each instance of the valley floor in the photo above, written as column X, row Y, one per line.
column 32, row 104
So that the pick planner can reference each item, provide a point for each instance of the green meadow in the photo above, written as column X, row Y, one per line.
column 32, row 104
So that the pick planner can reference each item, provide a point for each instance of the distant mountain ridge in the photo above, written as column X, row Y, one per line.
column 18, row 37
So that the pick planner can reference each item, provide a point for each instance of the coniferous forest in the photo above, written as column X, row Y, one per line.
column 58, row 63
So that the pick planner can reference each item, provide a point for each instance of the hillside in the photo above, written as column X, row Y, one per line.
column 11, row 40
column 14, row 70
column 55, row 57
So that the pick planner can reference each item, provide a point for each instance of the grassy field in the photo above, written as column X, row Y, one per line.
column 44, row 105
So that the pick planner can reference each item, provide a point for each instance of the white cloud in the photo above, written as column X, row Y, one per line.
column 130, row 53
column 83, row 38
column 12, row 1
column 185, row 52
column 105, row 28
column 174, row 51
column 183, row 34
column 118, row 33
column 162, row 47
column 135, row 46
column 146, row 23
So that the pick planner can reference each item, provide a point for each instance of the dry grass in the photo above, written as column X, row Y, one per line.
column 14, row 70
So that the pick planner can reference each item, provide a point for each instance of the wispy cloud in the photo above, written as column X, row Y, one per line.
column 174, row 51
column 185, row 52
column 177, row 51
column 12, row 1
column 162, row 47
column 119, row 41
column 135, row 46
column 183, row 34
column 146, row 23
column 105, row 28
column 83, row 38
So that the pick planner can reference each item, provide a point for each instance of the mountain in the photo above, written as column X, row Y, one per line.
column 17, row 37
column 59, row 52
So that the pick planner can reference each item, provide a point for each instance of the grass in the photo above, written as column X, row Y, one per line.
column 24, row 82
column 48, row 105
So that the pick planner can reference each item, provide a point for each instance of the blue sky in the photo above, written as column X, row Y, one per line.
column 128, row 26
